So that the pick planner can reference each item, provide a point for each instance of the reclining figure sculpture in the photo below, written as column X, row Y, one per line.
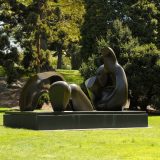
column 108, row 90
column 35, row 87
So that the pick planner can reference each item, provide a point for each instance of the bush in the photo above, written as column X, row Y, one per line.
column 13, row 71
column 2, row 71
column 141, row 63
column 88, row 69
column 44, row 98
column 142, row 71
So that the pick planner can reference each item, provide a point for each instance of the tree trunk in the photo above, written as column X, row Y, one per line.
column 59, row 60
column 38, row 54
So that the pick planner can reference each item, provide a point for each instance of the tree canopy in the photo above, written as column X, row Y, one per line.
column 34, row 32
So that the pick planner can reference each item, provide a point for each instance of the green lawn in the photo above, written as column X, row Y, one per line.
column 71, row 76
column 121, row 144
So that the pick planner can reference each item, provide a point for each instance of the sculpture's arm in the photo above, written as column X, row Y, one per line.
column 107, row 98
column 79, row 99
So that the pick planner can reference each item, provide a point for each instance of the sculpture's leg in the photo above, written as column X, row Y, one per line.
column 79, row 100
column 59, row 93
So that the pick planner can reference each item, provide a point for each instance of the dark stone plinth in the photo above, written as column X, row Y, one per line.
column 75, row 120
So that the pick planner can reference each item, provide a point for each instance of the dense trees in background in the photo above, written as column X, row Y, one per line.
column 33, row 32
column 9, row 57
column 141, row 16
column 43, row 28
column 132, row 29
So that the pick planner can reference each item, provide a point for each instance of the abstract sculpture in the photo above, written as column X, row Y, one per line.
column 61, row 93
column 35, row 87
column 108, row 90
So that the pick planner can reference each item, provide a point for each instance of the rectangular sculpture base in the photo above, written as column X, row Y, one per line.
column 75, row 120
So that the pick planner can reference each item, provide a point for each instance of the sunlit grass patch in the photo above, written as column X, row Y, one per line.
column 71, row 76
column 120, row 144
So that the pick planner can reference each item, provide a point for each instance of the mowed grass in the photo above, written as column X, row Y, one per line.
column 114, row 144
column 71, row 76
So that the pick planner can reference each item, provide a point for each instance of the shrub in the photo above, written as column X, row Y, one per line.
column 143, row 70
column 44, row 98
column 89, row 69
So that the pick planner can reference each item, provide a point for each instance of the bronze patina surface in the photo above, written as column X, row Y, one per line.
column 35, row 87
column 108, row 90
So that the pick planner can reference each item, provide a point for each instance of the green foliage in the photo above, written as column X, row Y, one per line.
column 66, row 62
column 9, row 57
column 144, row 21
column 49, row 28
column 142, row 17
column 38, row 25
column 93, row 27
column 98, row 18
column 25, row 2
column 44, row 98
column 74, row 52
column 89, row 68
column 142, row 72
column 120, row 39
column 141, row 63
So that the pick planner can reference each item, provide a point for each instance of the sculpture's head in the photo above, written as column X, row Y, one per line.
column 109, row 58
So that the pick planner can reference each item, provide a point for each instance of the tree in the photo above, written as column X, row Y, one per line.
column 74, row 51
column 141, row 63
column 143, row 21
column 143, row 76
column 33, row 31
column 67, row 29
column 40, row 24
column 9, row 57
column 119, row 37
column 98, row 18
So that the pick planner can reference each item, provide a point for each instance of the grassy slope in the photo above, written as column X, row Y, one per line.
column 71, row 76
column 128, row 144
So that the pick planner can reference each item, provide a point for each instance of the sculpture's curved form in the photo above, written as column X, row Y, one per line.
column 59, row 94
column 109, row 88
column 80, row 101
column 35, row 87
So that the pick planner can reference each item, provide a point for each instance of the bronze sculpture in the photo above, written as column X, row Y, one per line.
column 108, row 90
column 63, row 94
column 35, row 87
column 60, row 93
